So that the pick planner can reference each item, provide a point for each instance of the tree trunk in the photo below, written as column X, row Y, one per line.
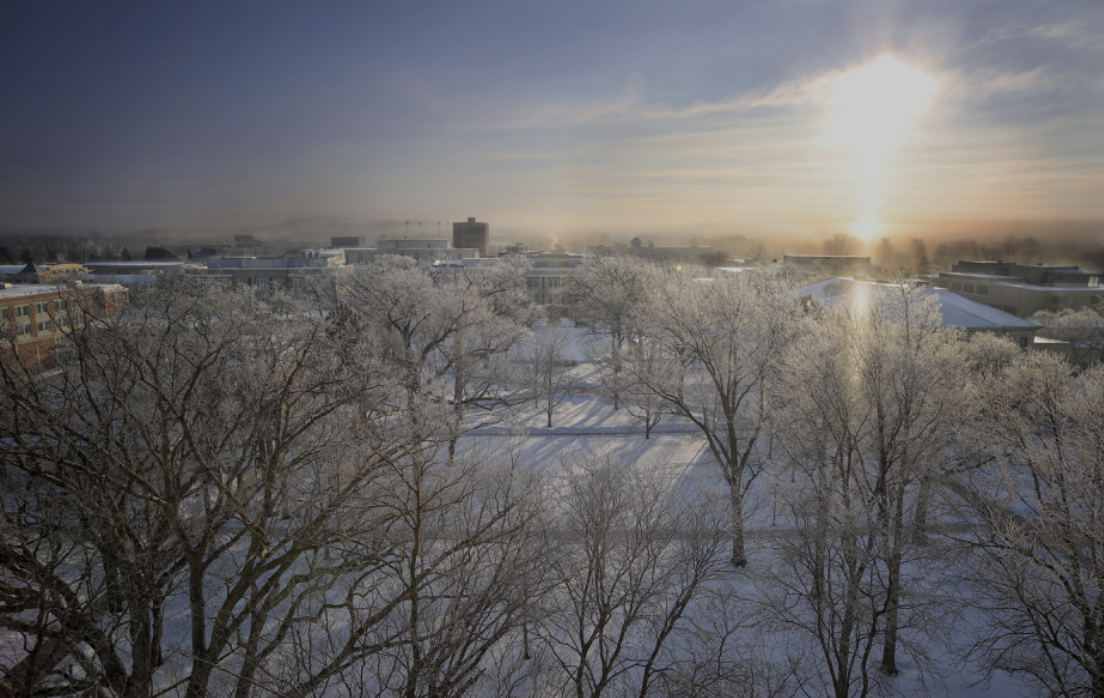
column 893, row 593
column 736, row 497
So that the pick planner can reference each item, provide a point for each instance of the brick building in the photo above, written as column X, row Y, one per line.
column 36, row 319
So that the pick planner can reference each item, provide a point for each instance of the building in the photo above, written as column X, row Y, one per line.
column 472, row 234
column 956, row 311
column 288, row 273
column 156, row 253
column 36, row 319
column 430, row 250
column 347, row 241
column 1023, row 289
column 692, row 254
column 132, row 268
column 834, row 263
column 549, row 279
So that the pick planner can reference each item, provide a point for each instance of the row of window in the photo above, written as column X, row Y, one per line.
column 44, row 321
column 973, row 289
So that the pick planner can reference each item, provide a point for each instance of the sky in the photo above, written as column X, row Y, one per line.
column 554, row 117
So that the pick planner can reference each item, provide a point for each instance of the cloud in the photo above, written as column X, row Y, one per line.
column 982, row 84
column 1082, row 33
column 629, row 105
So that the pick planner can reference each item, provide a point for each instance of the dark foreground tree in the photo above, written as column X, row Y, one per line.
column 216, row 496
column 629, row 553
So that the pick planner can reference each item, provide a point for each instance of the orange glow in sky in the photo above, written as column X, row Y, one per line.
column 873, row 108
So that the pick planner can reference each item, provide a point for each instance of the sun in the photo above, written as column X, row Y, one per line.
column 872, row 109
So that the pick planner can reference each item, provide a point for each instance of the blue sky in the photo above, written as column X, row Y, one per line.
column 554, row 117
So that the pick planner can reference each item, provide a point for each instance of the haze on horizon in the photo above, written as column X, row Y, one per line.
column 556, row 118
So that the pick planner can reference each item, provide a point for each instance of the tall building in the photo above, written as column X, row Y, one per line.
column 472, row 235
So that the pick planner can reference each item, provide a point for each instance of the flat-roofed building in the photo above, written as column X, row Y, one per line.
column 1024, row 289
column 426, row 249
column 692, row 254
column 288, row 273
column 834, row 263
column 955, row 310
column 549, row 278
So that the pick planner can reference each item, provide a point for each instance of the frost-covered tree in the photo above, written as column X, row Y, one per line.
column 217, row 495
column 543, row 367
column 1083, row 328
column 724, row 339
column 628, row 554
column 446, row 332
column 1037, row 565
column 873, row 400
column 646, row 361
column 610, row 293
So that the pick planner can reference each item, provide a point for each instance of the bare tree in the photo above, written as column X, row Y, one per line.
column 544, row 368
column 446, row 332
column 630, row 553
column 723, row 339
column 214, row 496
column 1082, row 328
column 874, row 400
column 1037, row 567
column 841, row 244
column 610, row 293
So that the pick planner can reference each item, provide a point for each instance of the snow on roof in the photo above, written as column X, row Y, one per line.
column 956, row 310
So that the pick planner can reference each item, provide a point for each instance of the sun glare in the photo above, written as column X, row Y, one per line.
column 873, row 107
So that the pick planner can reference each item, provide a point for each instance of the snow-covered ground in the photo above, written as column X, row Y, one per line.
column 587, row 423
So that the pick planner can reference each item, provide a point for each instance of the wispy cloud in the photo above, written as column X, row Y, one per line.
column 1084, row 33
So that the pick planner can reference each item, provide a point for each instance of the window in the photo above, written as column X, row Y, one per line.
column 982, row 290
column 956, row 287
column 22, row 311
column 24, row 330
column 1094, row 282
column 59, row 305
column 45, row 326
column 42, row 308
column 967, row 288
column 1023, row 342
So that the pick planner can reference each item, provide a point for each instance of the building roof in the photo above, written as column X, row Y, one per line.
column 956, row 310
